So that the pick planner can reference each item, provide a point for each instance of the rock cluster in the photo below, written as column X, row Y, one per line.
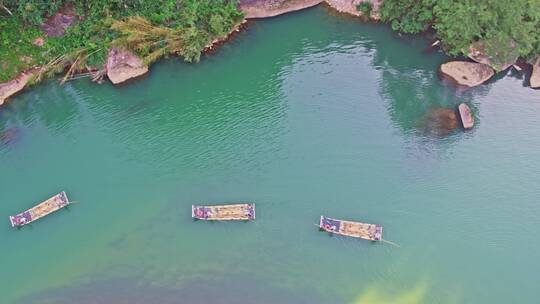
column 467, row 118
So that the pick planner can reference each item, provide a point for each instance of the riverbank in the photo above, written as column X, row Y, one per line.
column 123, row 64
column 87, row 39
column 323, row 124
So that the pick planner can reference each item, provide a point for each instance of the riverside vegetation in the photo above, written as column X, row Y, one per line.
column 507, row 28
column 502, row 30
column 152, row 29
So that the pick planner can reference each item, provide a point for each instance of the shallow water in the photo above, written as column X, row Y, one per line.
column 304, row 114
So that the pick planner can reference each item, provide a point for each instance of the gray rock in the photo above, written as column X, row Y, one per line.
column 466, row 116
column 16, row 85
column 465, row 73
column 123, row 65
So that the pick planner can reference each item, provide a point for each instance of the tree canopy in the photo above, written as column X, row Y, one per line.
column 506, row 26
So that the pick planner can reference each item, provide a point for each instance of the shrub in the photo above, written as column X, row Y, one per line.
column 365, row 7
column 461, row 22
column 182, row 27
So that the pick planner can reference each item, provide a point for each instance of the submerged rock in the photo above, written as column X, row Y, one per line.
column 439, row 121
column 271, row 8
column 467, row 73
column 535, row 76
column 57, row 24
column 466, row 116
column 16, row 85
column 123, row 65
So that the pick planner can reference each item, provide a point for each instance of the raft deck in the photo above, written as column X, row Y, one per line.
column 233, row 212
column 370, row 232
column 47, row 207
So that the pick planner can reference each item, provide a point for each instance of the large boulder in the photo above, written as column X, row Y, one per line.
column 16, row 85
column 535, row 76
column 271, row 8
column 349, row 7
column 57, row 24
column 123, row 65
column 465, row 73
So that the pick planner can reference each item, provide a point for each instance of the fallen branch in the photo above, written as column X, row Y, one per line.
column 6, row 9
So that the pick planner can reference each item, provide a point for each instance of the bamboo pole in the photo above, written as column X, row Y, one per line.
column 6, row 9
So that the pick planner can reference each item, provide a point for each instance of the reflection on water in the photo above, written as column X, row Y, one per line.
column 412, row 88
column 46, row 104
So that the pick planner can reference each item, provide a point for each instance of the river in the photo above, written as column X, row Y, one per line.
column 306, row 114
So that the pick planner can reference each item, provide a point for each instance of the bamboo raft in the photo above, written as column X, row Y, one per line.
column 47, row 207
column 234, row 212
column 370, row 232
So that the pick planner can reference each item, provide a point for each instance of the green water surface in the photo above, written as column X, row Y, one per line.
column 305, row 114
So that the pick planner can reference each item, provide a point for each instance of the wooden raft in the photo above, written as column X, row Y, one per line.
column 370, row 232
column 233, row 212
column 47, row 207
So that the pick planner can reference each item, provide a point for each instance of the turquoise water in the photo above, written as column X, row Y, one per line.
column 305, row 114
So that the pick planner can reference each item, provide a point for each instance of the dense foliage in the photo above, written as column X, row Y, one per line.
column 86, row 43
column 506, row 26
column 365, row 7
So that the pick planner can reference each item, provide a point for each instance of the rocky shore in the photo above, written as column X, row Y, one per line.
column 270, row 8
column 122, row 65
column 10, row 88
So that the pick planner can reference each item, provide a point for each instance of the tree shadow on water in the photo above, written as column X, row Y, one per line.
column 48, row 103
column 419, row 102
